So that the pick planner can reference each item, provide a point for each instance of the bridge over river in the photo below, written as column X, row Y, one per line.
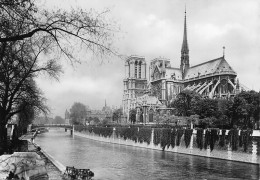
column 119, row 162
column 65, row 126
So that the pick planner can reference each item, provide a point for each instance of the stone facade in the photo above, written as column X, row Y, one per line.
column 135, row 82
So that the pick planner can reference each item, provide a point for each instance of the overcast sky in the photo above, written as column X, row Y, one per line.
column 154, row 28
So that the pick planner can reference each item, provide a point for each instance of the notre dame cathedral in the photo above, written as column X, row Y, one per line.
column 213, row 79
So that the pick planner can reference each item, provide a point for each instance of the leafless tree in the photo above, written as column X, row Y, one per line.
column 86, row 29
column 26, row 33
column 20, row 64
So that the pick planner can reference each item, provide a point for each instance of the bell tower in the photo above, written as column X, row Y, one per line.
column 135, row 82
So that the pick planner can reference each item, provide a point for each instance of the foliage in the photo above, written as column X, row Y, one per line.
column 207, row 139
column 58, row 120
column 250, row 109
column 239, row 111
column 205, row 107
column 199, row 138
column 157, row 136
column 42, row 120
column 233, row 138
column 144, row 135
column 93, row 120
column 213, row 138
column 25, row 117
column 165, row 138
column 78, row 113
column 183, row 102
column 187, row 136
column 79, row 128
column 245, row 138
column 243, row 110
column 224, row 113
column 127, row 133
column 88, row 128
column 103, row 131
column 194, row 119
column 132, row 116
column 207, row 122
column 179, row 135
column 222, row 138
column 96, row 120
column 117, row 114
column 173, row 137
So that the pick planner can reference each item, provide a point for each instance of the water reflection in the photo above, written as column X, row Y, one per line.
column 112, row 161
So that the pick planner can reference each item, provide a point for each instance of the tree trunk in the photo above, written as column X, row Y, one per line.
column 3, row 139
column 3, row 134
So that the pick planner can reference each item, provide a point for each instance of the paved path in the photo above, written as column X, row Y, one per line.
column 53, row 172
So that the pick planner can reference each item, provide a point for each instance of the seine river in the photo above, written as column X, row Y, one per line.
column 118, row 162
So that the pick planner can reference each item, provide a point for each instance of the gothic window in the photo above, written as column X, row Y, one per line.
column 140, row 67
column 136, row 63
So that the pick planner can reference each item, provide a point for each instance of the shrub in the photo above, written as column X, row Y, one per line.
column 199, row 138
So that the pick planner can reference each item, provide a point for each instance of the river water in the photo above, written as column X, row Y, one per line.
column 119, row 162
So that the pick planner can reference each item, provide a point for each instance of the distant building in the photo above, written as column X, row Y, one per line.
column 104, row 113
column 213, row 79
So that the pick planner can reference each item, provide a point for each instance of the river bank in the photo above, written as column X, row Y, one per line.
column 51, row 167
column 120, row 162
column 252, row 156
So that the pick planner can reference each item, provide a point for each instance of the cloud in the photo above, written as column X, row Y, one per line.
column 153, row 28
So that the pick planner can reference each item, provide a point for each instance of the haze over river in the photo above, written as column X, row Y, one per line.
column 119, row 162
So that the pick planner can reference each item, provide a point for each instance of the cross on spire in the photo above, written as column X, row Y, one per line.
column 224, row 51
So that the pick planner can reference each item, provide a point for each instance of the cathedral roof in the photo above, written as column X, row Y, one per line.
column 173, row 73
column 212, row 67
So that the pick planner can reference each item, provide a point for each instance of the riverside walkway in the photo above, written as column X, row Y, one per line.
column 53, row 172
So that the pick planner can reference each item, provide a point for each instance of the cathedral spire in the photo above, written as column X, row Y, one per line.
column 185, row 63
column 185, row 47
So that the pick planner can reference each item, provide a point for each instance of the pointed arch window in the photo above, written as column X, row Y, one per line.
column 136, row 64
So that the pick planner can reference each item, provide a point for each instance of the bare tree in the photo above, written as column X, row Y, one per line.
column 20, row 64
column 87, row 29
column 27, row 32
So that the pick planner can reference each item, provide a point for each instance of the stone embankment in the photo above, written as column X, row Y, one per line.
column 252, row 156
column 33, row 163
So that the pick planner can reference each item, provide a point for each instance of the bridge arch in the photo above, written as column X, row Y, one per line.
column 65, row 126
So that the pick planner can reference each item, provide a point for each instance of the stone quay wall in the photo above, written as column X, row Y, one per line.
column 226, row 153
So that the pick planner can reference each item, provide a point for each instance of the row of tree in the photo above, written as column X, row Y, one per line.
column 242, row 110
